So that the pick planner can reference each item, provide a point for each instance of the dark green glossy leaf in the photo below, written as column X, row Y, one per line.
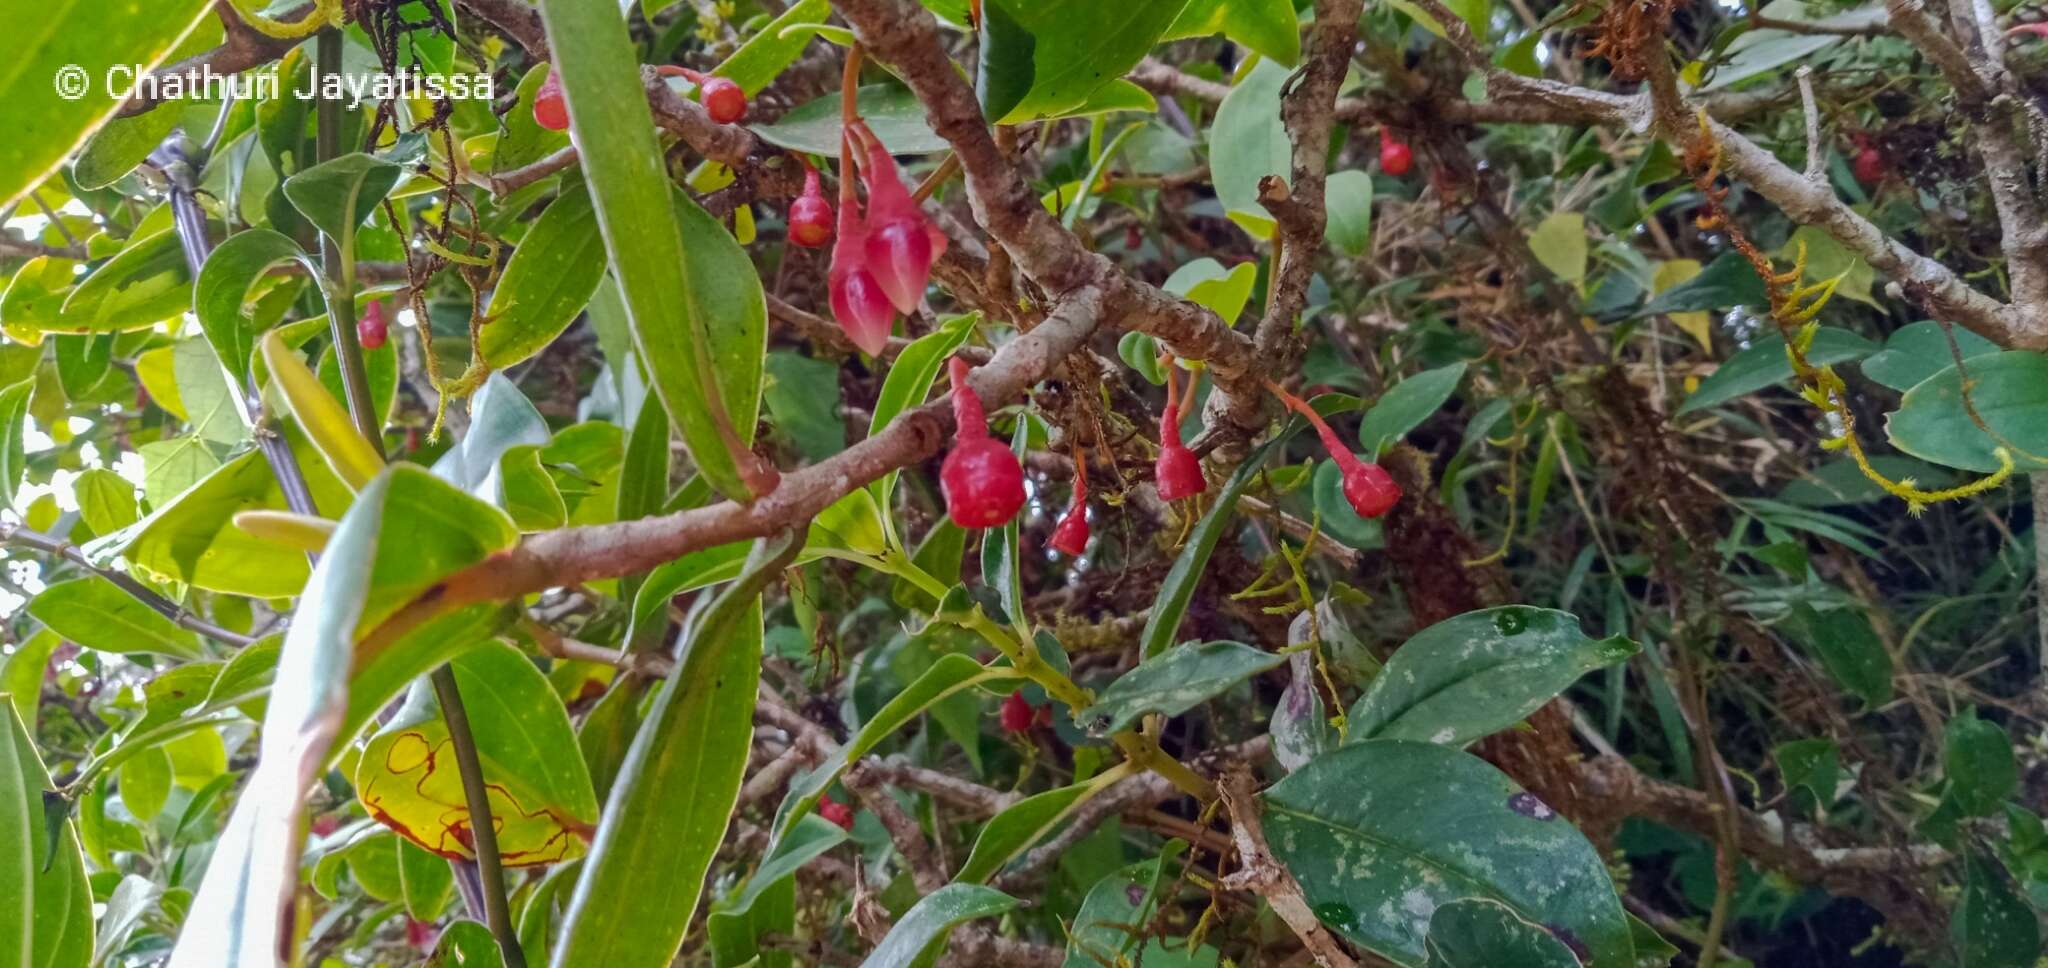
column 1175, row 682
column 799, row 401
column 337, row 196
column 1111, row 919
column 82, row 361
column 1477, row 673
column 224, row 284
column 1764, row 364
column 1993, row 927
column 552, row 275
column 669, row 808
column 1978, row 761
column 2009, row 390
column 1477, row 932
column 1077, row 47
column 93, row 613
column 1405, row 406
column 1843, row 641
column 1812, row 765
column 920, row 936
column 1021, row 824
column 1383, row 833
column 466, row 944
column 1920, row 350
column 892, row 112
column 1725, row 283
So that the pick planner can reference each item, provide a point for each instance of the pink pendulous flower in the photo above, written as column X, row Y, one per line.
column 901, row 243
column 1178, row 472
column 859, row 303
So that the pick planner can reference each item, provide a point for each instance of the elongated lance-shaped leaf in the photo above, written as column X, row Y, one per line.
column 918, row 938
column 697, row 310
column 674, row 796
column 321, row 416
column 45, row 905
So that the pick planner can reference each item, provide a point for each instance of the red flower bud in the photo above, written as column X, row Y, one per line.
column 1070, row 536
column 836, row 812
column 1017, row 714
column 901, row 244
column 858, row 302
column 371, row 330
column 1395, row 155
column 810, row 216
column 550, row 110
column 1368, row 488
column 982, row 482
column 1869, row 165
column 1177, row 472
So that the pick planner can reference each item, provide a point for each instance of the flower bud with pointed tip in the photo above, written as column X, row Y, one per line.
column 858, row 302
column 1070, row 536
column 902, row 244
column 1177, row 472
column 1368, row 488
column 1017, row 714
column 981, row 480
column 371, row 330
column 810, row 216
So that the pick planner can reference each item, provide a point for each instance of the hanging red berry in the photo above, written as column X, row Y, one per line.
column 1017, row 714
column 550, row 108
column 1070, row 536
column 1368, row 488
column 810, row 216
column 836, row 812
column 982, row 482
column 1396, row 158
column 1178, row 472
column 371, row 330
column 722, row 98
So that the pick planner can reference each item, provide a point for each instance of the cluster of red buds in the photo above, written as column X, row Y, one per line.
column 882, row 260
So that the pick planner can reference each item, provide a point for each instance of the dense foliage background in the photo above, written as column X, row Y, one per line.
column 510, row 520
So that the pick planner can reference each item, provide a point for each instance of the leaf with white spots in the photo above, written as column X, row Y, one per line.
column 1383, row 833
column 1478, row 673
column 1175, row 683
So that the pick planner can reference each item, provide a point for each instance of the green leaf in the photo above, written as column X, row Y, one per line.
column 1843, row 641
column 1920, row 350
column 1077, row 47
column 541, row 796
column 1726, row 282
column 2009, row 390
column 1108, row 925
column 93, row 613
column 146, row 283
column 13, row 451
column 1175, row 682
column 1004, row 72
column 224, row 285
column 146, row 783
column 95, row 38
column 549, row 279
column 1381, row 834
column 766, row 54
column 1813, row 765
column 82, row 361
column 337, row 196
column 45, row 905
column 806, row 417
column 1560, row 244
column 1478, row 673
column 105, row 500
column 1021, row 824
column 1349, row 198
column 1265, row 26
column 1140, row 352
column 919, row 937
column 1977, row 758
column 810, row 838
column 1993, row 927
column 1406, row 405
column 892, row 112
column 669, row 808
column 428, row 882
column 1162, row 624
column 1764, row 364
column 1206, row 283
column 191, row 536
column 950, row 674
column 1477, row 932
column 21, row 674
column 1248, row 142
column 465, row 944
